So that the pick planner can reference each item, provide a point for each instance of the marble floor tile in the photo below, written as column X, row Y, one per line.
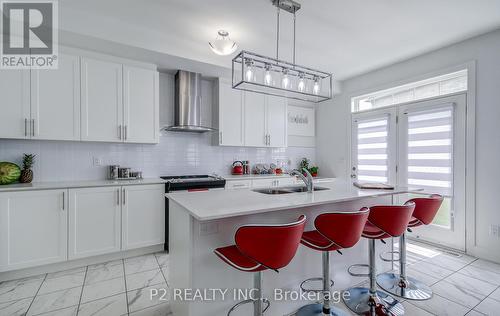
column 18, row 289
column 474, row 313
column 141, row 298
column 139, row 264
column 441, row 306
column 106, row 264
column 457, row 294
column 162, row 258
column 54, row 301
column 58, row 274
column 495, row 295
column 489, row 307
column 110, row 306
column 472, row 284
column 166, row 273
column 103, row 289
column 487, row 265
column 448, row 262
column 104, row 273
column 68, row 311
column 422, row 277
column 61, row 283
column 158, row 310
column 414, row 310
column 144, row 279
column 15, row 308
column 432, row 269
column 481, row 274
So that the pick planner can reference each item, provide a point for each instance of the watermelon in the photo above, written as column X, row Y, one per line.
column 9, row 172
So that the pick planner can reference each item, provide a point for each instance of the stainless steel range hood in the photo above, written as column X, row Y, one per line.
column 187, row 106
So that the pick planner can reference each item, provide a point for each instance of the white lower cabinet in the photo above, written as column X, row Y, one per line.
column 143, row 216
column 33, row 228
column 94, row 221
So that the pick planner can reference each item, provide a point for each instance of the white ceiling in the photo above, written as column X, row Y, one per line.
column 347, row 37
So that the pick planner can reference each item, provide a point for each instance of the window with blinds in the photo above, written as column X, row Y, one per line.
column 430, row 150
column 372, row 149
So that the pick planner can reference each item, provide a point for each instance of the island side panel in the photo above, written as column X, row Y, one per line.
column 209, row 272
column 180, row 255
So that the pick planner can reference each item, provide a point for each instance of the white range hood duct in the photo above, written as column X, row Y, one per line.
column 187, row 105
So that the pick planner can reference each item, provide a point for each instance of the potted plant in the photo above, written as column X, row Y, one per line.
column 314, row 170
column 304, row 163
column 27, row 173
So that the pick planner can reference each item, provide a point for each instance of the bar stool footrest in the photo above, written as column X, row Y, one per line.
column 389, row 253
column 303, row 289
column 358, row 265
column 235, row 306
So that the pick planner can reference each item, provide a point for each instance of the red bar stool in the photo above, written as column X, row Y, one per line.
column 262, row 247
column 383, row 222
column 400, row 284
column 334, row 231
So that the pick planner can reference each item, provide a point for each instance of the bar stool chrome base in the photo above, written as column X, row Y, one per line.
column 317, row 309
column 412, row 289
column 361, row 302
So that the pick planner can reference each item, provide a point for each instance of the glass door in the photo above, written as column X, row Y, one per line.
column 431, row 156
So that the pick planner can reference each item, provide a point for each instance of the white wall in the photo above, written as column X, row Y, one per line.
column 333, row 125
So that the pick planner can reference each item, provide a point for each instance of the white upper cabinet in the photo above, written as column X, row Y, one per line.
column 276, row 121
column 140, row 105
column 33, row 228
column 229, row 117
column 255, row 119
column 143, row 216
column 94, row 221
column 55, row 101
column 15, row 105
column 102, row 103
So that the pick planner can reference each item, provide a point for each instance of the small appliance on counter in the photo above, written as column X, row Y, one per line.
column 115, row 172
column 237, row 168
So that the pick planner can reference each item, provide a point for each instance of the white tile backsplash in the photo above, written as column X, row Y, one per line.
column 177, row 153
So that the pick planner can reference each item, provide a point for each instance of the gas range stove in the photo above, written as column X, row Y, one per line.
column 192, row 182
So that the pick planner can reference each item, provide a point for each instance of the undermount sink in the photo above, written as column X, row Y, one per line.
column 286, row 190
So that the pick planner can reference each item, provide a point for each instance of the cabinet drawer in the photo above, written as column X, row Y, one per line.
column 238, row 184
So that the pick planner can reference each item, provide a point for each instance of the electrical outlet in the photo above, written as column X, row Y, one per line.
column 209, row 228
column 495, row 231
column 96, row 161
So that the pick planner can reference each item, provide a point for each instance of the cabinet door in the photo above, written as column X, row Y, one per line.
column 141, row 105
column 33, row 228
column 15, row 104
column 143, row 216
column 230, row 116
column 277, row 121
column 94, row 221
column 101, row 97
column 255, row 119
column 55, row 100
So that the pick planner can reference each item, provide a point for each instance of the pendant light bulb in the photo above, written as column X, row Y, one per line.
column 268, row 78
column 285, row 81
column 301, row 85
column 316, row 87
column 249, row 73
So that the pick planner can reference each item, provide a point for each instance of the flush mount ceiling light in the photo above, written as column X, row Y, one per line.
column 223, row 45
column 272, row 76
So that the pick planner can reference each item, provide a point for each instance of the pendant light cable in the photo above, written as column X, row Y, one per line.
column 278, row 34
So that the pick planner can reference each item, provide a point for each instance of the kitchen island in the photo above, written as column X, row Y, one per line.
column 203, row 221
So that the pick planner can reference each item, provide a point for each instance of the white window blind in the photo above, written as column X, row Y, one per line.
column 372, row 149
column 430, row 150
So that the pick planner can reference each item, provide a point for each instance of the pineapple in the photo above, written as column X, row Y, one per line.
column 27, row 173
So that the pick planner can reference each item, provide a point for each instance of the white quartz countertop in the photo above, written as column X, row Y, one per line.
column 76, row 184
column 217, row 204
column 255, row 176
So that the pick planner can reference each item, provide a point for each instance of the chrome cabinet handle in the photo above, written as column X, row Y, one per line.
column 64, row 199
column 220, row 137
column 269, row 139
column 123, row 196
column 33, row 127
column 25, row 127
column 125, row 132
column 119, row 132
column 117, row 196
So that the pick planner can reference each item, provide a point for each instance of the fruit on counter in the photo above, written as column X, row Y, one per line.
column 9, row 172
column 27, row 173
